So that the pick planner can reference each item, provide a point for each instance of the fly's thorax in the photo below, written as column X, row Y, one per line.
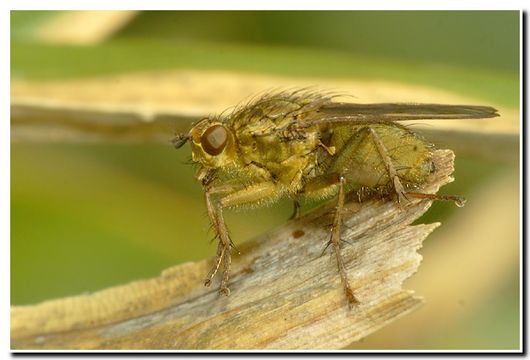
column 285, row 159
column 213, row 144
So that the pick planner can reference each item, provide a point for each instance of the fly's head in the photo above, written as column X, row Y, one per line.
column 212, row 144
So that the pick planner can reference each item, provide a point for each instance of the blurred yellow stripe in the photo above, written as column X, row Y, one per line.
column 84, row 27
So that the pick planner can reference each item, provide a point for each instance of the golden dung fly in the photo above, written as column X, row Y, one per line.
column 303, row 145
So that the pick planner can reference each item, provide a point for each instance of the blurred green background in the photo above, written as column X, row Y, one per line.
column 85, row 217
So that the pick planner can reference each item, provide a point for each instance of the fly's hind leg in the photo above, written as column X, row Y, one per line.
column 392, row 173
column 458, row 200
column 398, row 187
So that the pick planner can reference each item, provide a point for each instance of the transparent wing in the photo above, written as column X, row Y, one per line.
column 348, row 112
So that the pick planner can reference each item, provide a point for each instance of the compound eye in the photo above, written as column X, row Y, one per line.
column 213, row 140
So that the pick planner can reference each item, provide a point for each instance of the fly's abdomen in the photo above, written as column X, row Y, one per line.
column 360, row 161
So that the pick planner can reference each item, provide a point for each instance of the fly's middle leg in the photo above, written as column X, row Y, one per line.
column 335, row 242
column 335, row 183
column 296, row 210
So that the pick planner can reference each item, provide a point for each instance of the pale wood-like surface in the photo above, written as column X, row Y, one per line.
column 285, row 294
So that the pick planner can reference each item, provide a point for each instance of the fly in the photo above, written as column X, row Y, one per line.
column 305, row 146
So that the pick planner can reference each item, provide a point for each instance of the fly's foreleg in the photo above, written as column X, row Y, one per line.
column 223, row 247
column 233, row 197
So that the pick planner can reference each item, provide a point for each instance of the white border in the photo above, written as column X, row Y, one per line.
column 217, row 5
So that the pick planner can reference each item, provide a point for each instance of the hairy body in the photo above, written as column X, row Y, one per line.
column 303, row 145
